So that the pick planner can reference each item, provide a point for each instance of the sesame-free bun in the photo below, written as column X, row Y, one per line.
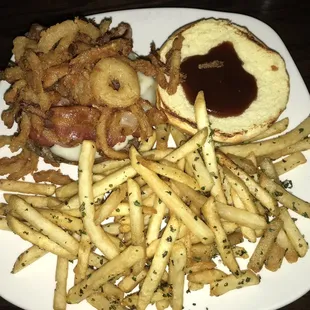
column 265, row 64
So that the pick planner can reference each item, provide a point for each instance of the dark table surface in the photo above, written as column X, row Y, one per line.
column 289, row 18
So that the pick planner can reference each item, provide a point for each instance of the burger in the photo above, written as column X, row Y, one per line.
column 245, row 83
column 77, row 81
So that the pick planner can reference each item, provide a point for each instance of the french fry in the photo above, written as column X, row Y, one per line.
column 100, row 188
column 36, row 238
column 162, row 135
column 37, row 201
column 293, row 233
column 67, row 191
column 210, row 213
column 109, row 270
column 225, row 186
column 274, row 129
column 240, row 252
column 240, row 217
column 191, row 145
column 290, row 253
column 81, row 267
column 96, row 260
column 99, row 301
column 188, row 169
column 208, row 152
column 129, row 282
column 176, row 274
column 260, row 254
column 230, row 282
column 170, row 172
column 206, row 276
column 244, row 163
column 155, row 221
column 159, row 263
column 268, row 168
column 136, row 220
column 61, row 284
column 172, row 201
column 272, row 145
column 157, row 154
column 186, row 240
column 200, row 266
column 27, row 187
column 188, row 193
column 147, row 145
column 200, row 171
column 239, row 188
column 4, row 224
column 111, row 291
column 248, row 232
column 299, row 146
column 112, row 228
column 110, row 204
column 162, row 304
column 192, row 286
column 63, row 220
column 255, row 189
column 275, row 257
column 251, row 156
column 28, row 257
column 110, row 165
column 123, row 209
column 229, row 227
column 285, row 198
column 96, row 234
column 43, row 225
column 290, row 162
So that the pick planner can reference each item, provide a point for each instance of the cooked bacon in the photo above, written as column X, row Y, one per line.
column 73, row 124
column 67, row 126
column 70, row 125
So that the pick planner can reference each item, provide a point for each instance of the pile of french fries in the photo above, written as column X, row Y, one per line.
column 164, row 214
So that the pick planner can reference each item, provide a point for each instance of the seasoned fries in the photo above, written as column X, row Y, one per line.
column 114, row 267
column 27, row 258
column 211, row 214
column 265, row 244
column 176, row 274
column 26, row 187
column 60, row 295
column 272, row 145
column 208, row 151
column 222, row 286
column 162, row 216
column 159, row 263
column 96, row 233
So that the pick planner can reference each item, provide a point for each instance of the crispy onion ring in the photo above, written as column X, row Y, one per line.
column 145, row 127
column 55, row 34
column 20, row 140
column 87, row 28
column 174, row 65
column 114, row 83
column 102, row 134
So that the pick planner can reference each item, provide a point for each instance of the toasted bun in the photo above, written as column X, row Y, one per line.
column 258, row 59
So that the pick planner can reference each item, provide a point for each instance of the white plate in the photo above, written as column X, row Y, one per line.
column 33, row 288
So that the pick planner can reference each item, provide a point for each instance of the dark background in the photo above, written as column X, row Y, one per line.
column 289, row 18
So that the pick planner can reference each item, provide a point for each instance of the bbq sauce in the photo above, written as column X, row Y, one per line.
column 228, row 88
